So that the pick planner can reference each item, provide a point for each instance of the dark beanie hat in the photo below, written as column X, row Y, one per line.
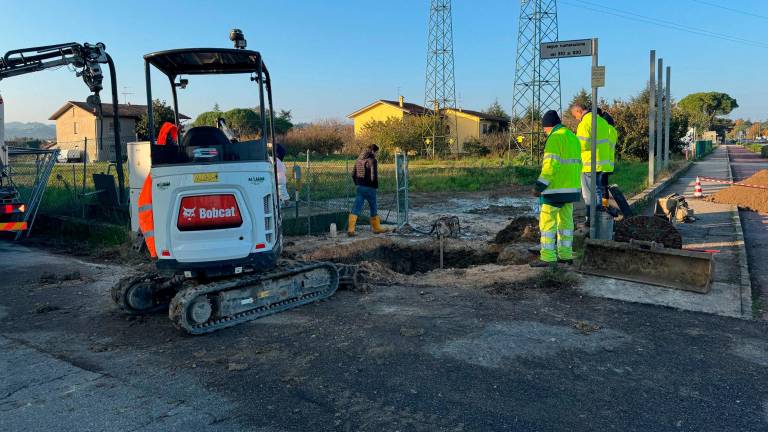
column 550, row 119
column 609, row 119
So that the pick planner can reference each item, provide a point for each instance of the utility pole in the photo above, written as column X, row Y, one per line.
column 537, row 83
column 668, row 115
column 659, row 117
column 651, row 119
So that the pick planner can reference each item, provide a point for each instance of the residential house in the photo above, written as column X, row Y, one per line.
column 465, row 124
column 472, row 125
column 79, row 127
column 382, row 109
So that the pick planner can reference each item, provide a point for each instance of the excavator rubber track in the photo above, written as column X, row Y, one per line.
column 225, row 303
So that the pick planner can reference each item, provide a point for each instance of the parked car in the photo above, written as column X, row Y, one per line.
column 70, row 155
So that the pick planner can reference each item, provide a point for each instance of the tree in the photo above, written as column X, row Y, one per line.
column 161, row 113
column 325, row 137
column 495, row 109
column 244, row 122
column 406, row 134
column 703, row 108
column 207, row 118
column 282, row 122
column 631, row 118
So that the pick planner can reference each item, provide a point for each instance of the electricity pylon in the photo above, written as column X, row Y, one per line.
column 440, row 84
column 537, row 83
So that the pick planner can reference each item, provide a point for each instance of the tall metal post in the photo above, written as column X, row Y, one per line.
column 593, row 177
column 659, row 112
column 651, row 119
column 537, row 84
column 440, row 83
column 667, row 114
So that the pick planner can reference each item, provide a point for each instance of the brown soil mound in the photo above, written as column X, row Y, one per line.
column 523, row 228
column 745, row 197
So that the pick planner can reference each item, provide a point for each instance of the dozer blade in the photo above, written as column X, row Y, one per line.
column 648, row 262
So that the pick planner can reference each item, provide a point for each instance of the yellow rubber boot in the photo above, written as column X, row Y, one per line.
column 351, row 225
column 376, row 225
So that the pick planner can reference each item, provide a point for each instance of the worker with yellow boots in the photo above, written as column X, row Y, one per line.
column 557, row 188
column 365, row 174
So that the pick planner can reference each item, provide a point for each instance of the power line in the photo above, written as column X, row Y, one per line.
column 663, row 23
column 739, row 11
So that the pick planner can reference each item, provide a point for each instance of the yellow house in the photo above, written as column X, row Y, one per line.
column 381, row 110
column 78, row 128
column 468, row 125
column 462, row 124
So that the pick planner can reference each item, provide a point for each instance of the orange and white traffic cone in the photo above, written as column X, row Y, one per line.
column 697, row 193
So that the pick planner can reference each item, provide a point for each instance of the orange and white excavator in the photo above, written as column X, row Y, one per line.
column 209, row 211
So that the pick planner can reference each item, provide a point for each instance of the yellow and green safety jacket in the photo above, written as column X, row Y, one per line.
column 613, row 135
column 560, row 178
column 605, row 151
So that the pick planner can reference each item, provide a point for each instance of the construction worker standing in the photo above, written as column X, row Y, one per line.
column 365, row 174
column 613, row 135
column 604, row 154
column 557, row 189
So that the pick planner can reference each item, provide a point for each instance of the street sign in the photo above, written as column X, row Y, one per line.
column 560, row 49
column 598, row 76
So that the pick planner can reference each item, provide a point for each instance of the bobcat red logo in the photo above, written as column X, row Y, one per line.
column 208, row 212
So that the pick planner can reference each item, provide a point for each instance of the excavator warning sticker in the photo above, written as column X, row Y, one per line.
column 206, row 177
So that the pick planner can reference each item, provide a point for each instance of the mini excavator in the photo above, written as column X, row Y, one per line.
column 215, row 212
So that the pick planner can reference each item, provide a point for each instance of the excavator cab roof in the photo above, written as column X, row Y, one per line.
column 201, row 61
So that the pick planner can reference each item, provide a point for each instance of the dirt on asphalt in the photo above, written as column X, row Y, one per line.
column 746, row 198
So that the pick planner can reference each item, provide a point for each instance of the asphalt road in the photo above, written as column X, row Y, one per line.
column 399, row 358
column 744, row 164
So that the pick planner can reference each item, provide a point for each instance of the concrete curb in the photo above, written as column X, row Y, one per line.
column 642, row 199
column 746, row 281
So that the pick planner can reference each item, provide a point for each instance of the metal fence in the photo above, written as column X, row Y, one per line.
column 321, row 190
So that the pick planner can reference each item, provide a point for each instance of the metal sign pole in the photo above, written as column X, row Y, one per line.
column 651, row 119
column 659, row 118
column 593, row 178
column 667, row 120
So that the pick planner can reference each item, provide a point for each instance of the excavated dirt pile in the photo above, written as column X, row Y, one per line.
column 521, row 229
column 514, row 241
column 746, row 197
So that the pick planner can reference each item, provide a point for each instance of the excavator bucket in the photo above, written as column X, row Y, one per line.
column 648, row 262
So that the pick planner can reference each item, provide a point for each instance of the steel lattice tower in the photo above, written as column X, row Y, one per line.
column 537, row 83
column 440, row 84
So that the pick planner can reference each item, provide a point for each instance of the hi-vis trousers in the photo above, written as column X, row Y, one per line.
column 556, row 226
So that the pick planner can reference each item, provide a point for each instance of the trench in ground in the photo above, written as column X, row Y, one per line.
column 410, row 257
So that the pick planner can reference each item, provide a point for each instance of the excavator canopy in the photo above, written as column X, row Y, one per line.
column 201, row 61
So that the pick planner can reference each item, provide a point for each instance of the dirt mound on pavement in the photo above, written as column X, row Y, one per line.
column 521, row 229
column 746, row 197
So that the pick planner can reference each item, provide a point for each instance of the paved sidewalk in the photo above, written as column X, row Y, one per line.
column 717, row 227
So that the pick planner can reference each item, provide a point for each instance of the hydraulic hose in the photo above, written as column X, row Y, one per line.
column 118, row 146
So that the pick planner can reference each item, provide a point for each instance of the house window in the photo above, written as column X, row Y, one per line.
column 74, row 128
column 485, row 128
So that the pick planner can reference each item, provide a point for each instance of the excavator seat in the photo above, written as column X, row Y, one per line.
column 208, row 144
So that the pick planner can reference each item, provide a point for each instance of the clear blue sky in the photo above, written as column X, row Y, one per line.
column 328, row 58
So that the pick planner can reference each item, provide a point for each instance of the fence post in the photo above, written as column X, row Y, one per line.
column 309, row 197
column 346, row 182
